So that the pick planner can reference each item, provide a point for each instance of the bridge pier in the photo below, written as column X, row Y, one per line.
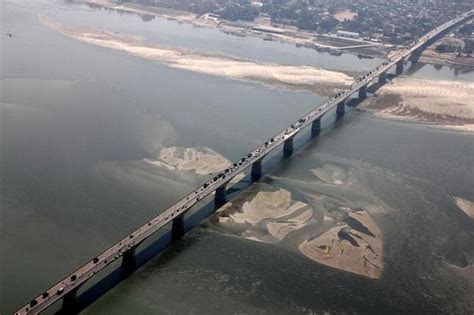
column 399, row 67
column 416, row 54
column 128, row 262
column 383, row 78
column 220, row 193
column 363, row 92
column 288, row 145
column 177, row 227
column 340, row 110
column 316, row 127
column 257, row 169
column 70, row 303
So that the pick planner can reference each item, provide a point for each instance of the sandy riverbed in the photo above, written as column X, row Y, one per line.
column 346, row 239
column 268, row 217
column 202, row 161
column 444, row 103
column 465, row 205
column 286, row 76
column 202, row 21
column 449, row 59
column 330, row 174
column 364, row 258
column 430, row 55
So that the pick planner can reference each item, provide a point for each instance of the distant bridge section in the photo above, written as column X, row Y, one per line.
column 67, row 288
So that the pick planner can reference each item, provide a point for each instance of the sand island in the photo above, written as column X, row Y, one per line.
column 347, row 239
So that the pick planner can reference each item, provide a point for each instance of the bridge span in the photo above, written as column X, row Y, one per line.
column 67, row 288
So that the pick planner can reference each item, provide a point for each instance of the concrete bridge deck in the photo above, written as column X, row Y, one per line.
column 67, row 288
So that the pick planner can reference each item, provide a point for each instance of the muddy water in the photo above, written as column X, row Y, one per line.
column 79, row 125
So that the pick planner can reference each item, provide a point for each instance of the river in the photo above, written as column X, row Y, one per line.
column 79, row 122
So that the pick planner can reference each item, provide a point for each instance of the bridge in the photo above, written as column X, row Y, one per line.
column 124, row 249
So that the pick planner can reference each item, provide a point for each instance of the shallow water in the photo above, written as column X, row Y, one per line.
column 171, row 34
column 425, row 236
column 78, row 121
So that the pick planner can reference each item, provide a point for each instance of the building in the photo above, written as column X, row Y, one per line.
column 268, row 29
column 348, row 34
column 263, row 19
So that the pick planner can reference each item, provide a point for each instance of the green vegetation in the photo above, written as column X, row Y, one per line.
column 396, row 22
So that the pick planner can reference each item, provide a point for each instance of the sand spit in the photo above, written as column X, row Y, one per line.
column 354, row 241
column 202, row 161
column 331, row 174
column 448, row 103
column 266, row 205
column 430, row 55
column 336, row 236
column 294, row 77
column 268, row 217
column 461, row 128
column 347, row 249
column 175, row 170
column 465, row 205
column 280, row 230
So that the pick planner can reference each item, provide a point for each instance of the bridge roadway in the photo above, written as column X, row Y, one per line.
column 67, row 288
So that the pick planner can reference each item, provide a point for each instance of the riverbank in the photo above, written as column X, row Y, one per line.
column 341, row 238
column 453, row 57
column 284, row 34
column 466, row 206
column 316, row 80
column 355, row 247
column 445, row 104
column 202, row 161
column 431, row 56
column 144, row 10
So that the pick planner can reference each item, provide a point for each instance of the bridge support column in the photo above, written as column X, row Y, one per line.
column 399, row 67
column 340, row 110
column 177, row 227
column 363, row 92
column 416, row 54
column 220, row 193
column 70, row 303
column 383, row 78
column 257, row 169
column 128, row 262
column 288, row 145
column 316, row 127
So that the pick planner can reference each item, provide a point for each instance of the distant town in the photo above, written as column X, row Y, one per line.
column 365, row 27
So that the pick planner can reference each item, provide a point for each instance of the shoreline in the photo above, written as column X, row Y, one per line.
column 347, row 240
column 465, row 205
column 461, row 128
column 430, row 56
column 321, row 43
column 334, row 45
column 285, row 77
column 466, row 128
column 331, row 44
column 438, row 103
column 387, row 105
